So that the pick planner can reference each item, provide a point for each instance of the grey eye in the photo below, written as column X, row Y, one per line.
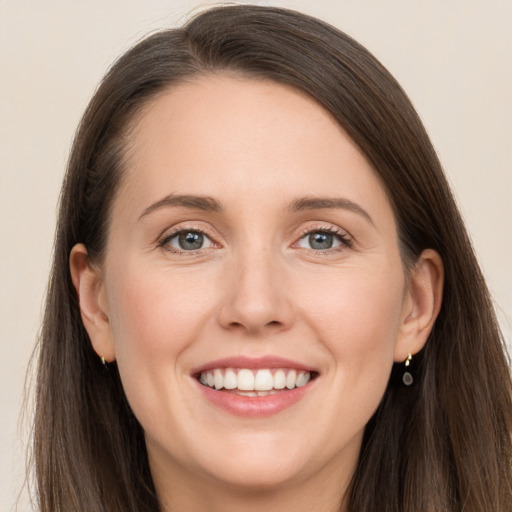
column 189, row 241
column 320, row 241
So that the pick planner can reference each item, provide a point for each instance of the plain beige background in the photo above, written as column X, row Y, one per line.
column 453, row 57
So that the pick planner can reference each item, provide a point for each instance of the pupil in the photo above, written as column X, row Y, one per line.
column 190, row 241
column 320, row 240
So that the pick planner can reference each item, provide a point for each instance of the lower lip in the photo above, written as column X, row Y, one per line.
column 255, row 406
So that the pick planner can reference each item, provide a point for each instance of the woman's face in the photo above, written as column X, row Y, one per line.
column 250, row 245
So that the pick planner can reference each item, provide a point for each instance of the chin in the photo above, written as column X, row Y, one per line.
column 263, row 474
column 257, row 462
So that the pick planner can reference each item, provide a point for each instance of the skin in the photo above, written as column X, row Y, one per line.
column 256, row 288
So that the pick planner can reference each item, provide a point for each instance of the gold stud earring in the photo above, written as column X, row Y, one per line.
column 407, row 377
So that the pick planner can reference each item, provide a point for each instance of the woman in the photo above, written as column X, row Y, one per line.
column 263, row 296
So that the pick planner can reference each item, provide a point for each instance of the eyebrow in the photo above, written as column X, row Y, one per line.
column 209, row 204
column 324, row 203
column 203, row 203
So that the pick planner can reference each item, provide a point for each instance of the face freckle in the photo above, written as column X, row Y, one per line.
column 250, row 228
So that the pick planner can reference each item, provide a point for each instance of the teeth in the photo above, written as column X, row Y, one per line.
column 279, row 379
column 247, row 393
column 302, row 379
column 245, row 380
column 254, row 382
column 230, row 379
column 218, row 379
column 264, row 380
column 291, row 379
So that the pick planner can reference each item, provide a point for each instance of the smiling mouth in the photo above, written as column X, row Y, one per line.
column 252, row 382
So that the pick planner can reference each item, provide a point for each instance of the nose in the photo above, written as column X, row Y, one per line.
column 256, row 299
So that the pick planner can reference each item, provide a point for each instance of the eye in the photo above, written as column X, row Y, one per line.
column 323, row 240
column 188, row 240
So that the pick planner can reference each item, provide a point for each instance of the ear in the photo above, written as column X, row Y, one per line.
column 421, row 305
column 90, row 288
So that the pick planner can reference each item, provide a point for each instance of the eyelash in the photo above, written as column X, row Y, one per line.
column 345, row 241
column 165, row 240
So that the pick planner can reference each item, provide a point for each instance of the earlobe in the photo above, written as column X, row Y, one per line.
column 421, row 305
column 90, row 289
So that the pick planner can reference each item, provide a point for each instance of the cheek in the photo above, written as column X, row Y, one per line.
column 356, row 314
column 156, row 309
column 155, row 315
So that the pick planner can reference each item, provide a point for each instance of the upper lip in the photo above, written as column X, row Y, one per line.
column 253, row 363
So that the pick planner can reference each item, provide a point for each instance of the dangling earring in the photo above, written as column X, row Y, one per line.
column 103, row 362
column 407, row 377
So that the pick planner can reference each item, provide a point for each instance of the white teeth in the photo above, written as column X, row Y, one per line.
column 279, row 379
column 254, row 382
column 230, row 379
column 291, row 378
column 303, row 379
column 263, row 381
column 245, row 380
column 218, row 379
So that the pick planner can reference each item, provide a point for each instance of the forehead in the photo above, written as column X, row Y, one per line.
column 236, row 113
column 233, row 136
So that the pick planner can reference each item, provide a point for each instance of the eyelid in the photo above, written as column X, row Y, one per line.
column 345, row 238
column 169, row 233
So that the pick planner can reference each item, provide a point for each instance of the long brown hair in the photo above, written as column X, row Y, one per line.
column 442, row 444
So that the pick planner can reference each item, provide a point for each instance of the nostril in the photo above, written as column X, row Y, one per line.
column 274, row 324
